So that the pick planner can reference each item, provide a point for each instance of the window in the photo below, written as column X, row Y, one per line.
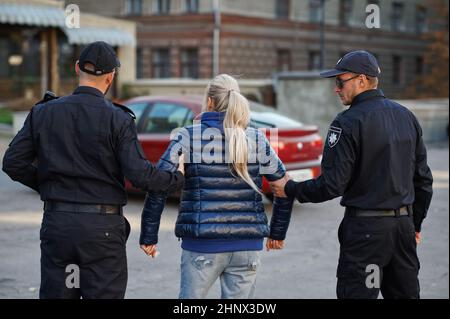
column 189, row 63
column 397, row 16
column 165, row 117
column 284, row 60
column 315, row 8
column 163, row 7
column 421, row 19
column 4, row 56
column 139, row 64
column 192, row 6
column 138, row 109
column 282, row 9
column 133, row 7
column 66, row 58
column 419, row 65
column 397, row 69
column 12, row 56
column 314, row 61
column 161, row 63
column 345, row 12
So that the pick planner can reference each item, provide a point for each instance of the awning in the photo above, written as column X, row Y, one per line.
column 85, row 35
column 47, row 16
column 33, row 15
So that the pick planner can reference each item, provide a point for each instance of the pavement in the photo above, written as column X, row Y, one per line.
column 305, row 269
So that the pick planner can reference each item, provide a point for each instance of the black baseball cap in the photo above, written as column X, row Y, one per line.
column 101, row 55
column 359, row 62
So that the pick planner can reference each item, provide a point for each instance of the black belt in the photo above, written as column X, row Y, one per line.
column 354, row 212
column 54, row 206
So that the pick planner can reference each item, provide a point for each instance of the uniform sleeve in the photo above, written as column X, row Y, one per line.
column 20, row 157
column 423, row 182
column 141, row 173
column 155, row 200
column 273, row 169
column 337, row 169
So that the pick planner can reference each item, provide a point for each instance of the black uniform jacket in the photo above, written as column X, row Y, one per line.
column 375, row 158
column 78, row 148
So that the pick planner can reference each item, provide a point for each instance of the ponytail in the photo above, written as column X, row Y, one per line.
column 224, row 91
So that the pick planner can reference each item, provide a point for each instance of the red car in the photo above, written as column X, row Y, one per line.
column 299, row 147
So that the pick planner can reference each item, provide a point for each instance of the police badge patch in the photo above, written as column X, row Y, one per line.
column 334, row 134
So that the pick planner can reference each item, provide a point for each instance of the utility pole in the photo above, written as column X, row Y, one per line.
column 216, row 37
column 322, row 34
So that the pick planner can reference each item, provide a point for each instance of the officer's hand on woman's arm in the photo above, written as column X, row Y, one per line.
column 181, row 164
column 278, row 186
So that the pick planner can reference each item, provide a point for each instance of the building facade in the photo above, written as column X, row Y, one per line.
column 254, row 39
column 39, row 47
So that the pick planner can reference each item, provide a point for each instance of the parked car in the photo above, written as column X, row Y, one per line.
column 299, row 146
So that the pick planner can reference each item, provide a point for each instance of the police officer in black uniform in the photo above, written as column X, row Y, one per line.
column 75, row 151
column 374, row 158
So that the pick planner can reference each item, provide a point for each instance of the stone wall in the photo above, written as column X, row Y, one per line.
column 310, row 99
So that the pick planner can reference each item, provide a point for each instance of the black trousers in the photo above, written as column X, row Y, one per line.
column 83, row 255
column 377, row 254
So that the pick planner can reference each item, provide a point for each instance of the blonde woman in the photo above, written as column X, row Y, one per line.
column 221, row 221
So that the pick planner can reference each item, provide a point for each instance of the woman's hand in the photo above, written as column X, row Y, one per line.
column 181, row 164
column 274, row 244
column 150, row 250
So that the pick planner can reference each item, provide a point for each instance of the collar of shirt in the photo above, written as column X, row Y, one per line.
column 367, row 95
column 214, row 119
column 88, row 90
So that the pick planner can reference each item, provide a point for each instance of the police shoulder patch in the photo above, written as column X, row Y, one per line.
column 126, row 109
column 333, row 136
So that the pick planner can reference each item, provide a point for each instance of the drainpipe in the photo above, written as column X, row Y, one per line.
column 216, row 37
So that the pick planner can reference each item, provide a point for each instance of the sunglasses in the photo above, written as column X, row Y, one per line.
column 340, row 83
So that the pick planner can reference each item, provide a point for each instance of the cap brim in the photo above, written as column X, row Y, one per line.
column 332, row 73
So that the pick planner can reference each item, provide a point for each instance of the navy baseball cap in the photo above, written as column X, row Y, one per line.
column 359, row 62
column 101, row 55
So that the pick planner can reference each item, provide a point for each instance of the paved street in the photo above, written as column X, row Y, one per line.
column 306, row 268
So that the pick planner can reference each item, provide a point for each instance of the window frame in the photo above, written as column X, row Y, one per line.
column 163, row 7
column 344, row 14
column 159, row 64
column 189, row 64
column 133, row 7
column 397, row 16
column 283, row 9
column 192, row 6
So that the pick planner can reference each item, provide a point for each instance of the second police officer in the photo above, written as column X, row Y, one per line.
column 375, row 158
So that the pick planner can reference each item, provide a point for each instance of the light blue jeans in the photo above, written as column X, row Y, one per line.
column 236, row 270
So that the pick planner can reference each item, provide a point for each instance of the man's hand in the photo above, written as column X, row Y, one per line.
column 181, row 164
column 418, row 238
column 150, row 250
column 278, row 186
column 274, row 244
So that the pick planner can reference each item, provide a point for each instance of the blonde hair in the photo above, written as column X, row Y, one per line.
column 224, row 92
